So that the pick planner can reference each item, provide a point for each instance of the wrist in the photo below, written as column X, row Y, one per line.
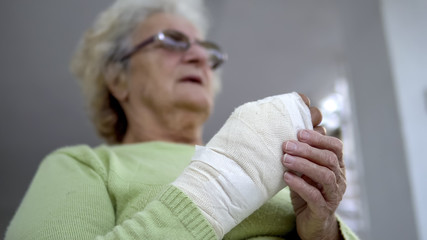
column 220, row 188
column 332, row 230
column 325, row 229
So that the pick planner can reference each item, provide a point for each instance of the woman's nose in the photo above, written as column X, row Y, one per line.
column 196, row 55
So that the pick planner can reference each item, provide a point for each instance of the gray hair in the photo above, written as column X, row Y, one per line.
column 111, row 34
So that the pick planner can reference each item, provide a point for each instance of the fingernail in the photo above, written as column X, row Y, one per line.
column 303, row 134
column 289, row 159
column 290, row 146
column 287, row 176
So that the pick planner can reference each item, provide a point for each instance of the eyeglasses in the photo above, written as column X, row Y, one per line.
column 177, row 41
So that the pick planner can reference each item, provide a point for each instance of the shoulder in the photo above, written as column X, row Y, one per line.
column 76, row 158
column 77, row 151
column 80, row 153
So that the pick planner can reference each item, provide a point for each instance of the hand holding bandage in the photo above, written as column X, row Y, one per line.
column 240, row 168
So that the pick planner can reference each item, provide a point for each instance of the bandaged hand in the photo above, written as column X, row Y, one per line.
column 240, row 168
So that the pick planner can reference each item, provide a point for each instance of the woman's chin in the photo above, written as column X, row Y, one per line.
column 196, row 100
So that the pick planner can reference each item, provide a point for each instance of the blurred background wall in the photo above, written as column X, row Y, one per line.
column 369, row 53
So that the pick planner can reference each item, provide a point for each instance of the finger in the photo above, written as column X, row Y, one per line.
column 316, row 116
column 318, row 176
column 305, row 99
column 321, row 157
column 310, row 181
column 317, row 140
column 320, row 129
column 298, row 202
column 309, row 193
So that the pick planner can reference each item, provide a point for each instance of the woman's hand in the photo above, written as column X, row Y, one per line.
column 316, row 177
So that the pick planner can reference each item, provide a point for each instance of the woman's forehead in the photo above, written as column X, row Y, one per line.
column 162, row 21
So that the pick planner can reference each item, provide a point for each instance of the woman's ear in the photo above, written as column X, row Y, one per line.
column 117, row 83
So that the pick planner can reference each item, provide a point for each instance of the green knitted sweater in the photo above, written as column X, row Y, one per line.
column 124, row 192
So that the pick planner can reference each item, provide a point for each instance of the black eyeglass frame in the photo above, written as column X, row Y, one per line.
column 220, row 56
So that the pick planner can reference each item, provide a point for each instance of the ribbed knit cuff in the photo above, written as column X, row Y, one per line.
column 189, row 214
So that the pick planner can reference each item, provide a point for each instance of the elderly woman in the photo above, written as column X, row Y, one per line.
column 150, row 78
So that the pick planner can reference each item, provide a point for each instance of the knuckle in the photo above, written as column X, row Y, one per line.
column 334, row 198
column 330, row 178
column 314, row 195
column 340, row 191
column 337, row 145
column 318, row 139
column 303, row 148
column 331, row 160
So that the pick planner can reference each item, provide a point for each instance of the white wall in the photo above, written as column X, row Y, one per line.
column 406, row 31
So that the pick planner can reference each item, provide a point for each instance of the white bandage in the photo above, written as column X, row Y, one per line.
column 240, row 168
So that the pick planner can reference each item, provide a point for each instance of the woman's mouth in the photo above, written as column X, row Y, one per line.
column 192, row 79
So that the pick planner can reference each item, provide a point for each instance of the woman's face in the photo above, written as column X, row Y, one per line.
column 162, row 80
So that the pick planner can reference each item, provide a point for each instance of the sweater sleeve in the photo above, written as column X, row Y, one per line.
column 68, row 199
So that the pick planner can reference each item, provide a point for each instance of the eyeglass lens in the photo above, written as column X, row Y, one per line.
column 174, row 40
